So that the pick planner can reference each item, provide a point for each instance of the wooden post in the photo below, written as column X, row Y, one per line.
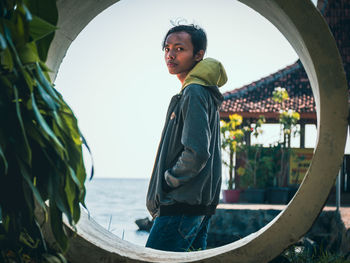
column 302, row 135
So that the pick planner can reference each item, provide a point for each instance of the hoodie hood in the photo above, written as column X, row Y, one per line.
column 209, row 73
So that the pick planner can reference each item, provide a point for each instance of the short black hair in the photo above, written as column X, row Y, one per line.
column 198, row 36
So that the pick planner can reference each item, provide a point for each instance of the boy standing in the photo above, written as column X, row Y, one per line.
column 185, row 185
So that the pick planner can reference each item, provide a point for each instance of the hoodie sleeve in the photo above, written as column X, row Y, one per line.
column 195, row 138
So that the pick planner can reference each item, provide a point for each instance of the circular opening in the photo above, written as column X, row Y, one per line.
column 120, row 91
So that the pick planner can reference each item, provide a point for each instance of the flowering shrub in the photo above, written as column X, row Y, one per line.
column 232, row 136
column 280, row 95
column 233, row 140
column 257, row 130
column 288, row 118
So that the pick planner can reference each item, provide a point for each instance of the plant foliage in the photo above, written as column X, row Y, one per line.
column 232, row 137
column 257, row 166
column 40, row 142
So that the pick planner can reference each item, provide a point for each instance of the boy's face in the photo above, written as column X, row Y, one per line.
column 179, row 55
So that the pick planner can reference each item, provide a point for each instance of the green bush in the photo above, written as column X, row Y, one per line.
column 256, row 166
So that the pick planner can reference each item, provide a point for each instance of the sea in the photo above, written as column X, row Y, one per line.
column 115, row 203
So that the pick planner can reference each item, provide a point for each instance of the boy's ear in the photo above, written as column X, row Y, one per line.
column 199, row 56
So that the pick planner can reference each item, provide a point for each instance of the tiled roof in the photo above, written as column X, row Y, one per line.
column 255, row 98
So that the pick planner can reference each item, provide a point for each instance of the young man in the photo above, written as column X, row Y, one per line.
column 185, row 185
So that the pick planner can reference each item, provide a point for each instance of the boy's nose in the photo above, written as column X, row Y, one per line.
column 171, row 55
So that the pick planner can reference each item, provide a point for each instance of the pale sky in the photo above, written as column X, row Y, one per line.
column 115, row 79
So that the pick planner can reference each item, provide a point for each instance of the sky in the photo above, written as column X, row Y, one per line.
column 115, row 79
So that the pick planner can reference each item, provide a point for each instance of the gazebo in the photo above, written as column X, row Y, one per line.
column 255, row 99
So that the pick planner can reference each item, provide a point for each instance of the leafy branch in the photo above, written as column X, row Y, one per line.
column 40, row 142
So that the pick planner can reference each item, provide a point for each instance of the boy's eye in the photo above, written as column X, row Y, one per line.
column 179, row 49
column 166, row 49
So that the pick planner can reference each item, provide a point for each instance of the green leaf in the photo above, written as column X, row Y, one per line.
column 6, row 60
column 48, row 133
column 75, row 179
column 26, row 176
column 2, row 150
column 6, row 221
column 54, row 106
column 28, row 53
column 5, row 82
column 72, row 193
column 46, row 83
column 45, row 69
column 11, row 44
column 2, row 42
column 43, row 46
column 39, row 28
column 28, row 79
column 2, row 155
column 92, row 160
column 25, row 11
column 47, row 98
column 46, row 10
column 26, row 239
column 57, row 226
column 20, row 34
column 57, row 194
column 76, row 210
column 28, row 152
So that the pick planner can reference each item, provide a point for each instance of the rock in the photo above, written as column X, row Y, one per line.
column 227, row 225
column 328, row 231
column 144, row 224
column 310, row 246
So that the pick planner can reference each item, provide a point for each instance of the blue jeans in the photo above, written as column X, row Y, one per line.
column 179, row 233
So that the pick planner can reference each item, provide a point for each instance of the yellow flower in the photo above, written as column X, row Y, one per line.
column 239, row 133
column 234, row 145
column 296, row 116
column 236, row 118
column 285, row 95
column 286, row 131
column 240, row 171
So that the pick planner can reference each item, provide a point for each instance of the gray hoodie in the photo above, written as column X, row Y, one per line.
column 186, row 177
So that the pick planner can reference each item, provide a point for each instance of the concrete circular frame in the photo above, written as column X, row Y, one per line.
column 302, row 24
